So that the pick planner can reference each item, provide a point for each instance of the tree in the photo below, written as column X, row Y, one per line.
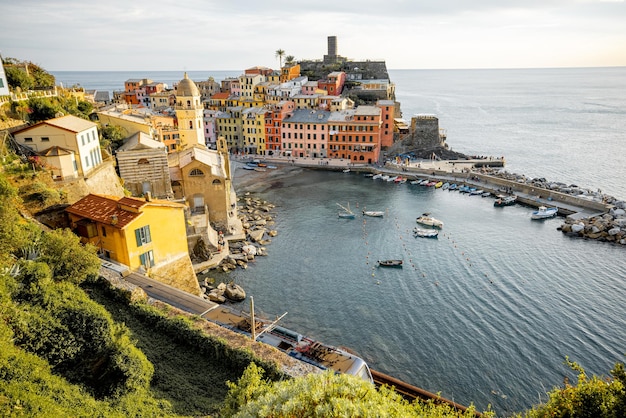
column 18, row 78
column 112, row 136
column 290, row 60
column 591, row 397
column 323, row 395
column 280, row 53
column 68, row 259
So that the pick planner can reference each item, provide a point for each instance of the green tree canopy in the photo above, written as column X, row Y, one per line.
column 324, row 395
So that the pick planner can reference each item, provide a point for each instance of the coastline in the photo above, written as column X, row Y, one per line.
column 588, row 214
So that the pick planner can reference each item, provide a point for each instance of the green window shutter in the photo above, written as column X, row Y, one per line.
column 148, row 238
column 138, row 237
column 142, row 259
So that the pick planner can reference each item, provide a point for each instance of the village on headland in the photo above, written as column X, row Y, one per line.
column 161, row 201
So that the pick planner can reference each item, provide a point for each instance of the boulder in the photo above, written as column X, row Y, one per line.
column 234, row 292
column 578, row 227
column 614, row 231
column 618, row 213
column 257, row 234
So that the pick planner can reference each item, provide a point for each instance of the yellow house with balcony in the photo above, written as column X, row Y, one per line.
column 144, row 234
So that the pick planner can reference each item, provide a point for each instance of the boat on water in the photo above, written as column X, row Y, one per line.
column 476, row 192
column 428, row 220
column 294, row 344
column 453, row 186
column 389, row 263
column 438, row 185
column 393, row 178
column 384, row 177
column 346, row 212
column 416, row 182
column 374, row 213
column 445, row 186
column 430, row 184
column 248, row 167
column 485, row 194
column 346, row 170
column 400, row 180
column 544, row 212
column 377, row 176
column 425, row 233
column 503, row 200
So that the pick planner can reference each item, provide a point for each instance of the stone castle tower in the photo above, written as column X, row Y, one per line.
column 189, row 112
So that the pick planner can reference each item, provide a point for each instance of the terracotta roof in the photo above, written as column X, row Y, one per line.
column 55, row 152
column 107, row 210
column 220, row 96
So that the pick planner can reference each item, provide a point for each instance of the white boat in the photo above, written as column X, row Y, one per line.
column 445, row 186
column 543, row 212
column 346, row 170
column 384, row 177
column 416, row 182
column 428, row 220
column 290, row 342
column 392, row 178
column 374, row 213
column 377, row 176
column 425, row 233
column 346, row 213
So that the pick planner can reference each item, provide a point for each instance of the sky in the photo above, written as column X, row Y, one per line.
column 160, row 35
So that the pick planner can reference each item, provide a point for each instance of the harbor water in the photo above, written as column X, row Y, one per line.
column 488, row 311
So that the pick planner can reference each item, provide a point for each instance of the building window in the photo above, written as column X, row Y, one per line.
column 28, row 139
column 196, row 172
column 45, row 139
column 147, row 259
column 104, row 231
column 143, row 235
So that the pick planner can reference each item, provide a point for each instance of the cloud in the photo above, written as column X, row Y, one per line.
column 160, row 34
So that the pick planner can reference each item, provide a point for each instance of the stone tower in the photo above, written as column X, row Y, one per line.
column 189, row 112
column 332, row 56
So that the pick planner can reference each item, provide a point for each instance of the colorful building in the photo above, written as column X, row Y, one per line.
column 68, row 133
column 143, row 234
column 305, row 133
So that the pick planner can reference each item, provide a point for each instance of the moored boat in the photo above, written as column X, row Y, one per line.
column 389, row 263
column 425, row 233
column 544, row 212
column 428, row 220
column 438, row 185
column 503, row 200
column 373, row 213
column 346, row 213
column 290, row 342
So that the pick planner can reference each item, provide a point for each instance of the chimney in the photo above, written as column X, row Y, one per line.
column 147, row 196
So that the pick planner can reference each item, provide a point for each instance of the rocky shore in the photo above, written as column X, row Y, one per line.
column 609, row 227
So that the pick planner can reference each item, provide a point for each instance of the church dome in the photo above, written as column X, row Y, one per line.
column 187, row 88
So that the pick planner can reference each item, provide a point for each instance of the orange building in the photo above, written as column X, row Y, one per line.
column 273, row 125
column 355, row 134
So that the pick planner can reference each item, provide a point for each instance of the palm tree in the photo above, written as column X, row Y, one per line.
column 290, row 60
column 280, row 53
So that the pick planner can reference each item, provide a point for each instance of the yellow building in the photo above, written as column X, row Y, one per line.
column 142, row 234
column 190, row 113
column 253, row 129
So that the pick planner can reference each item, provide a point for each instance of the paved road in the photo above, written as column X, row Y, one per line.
column 171, row 295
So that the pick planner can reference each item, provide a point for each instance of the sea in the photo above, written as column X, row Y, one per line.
column 488, row 312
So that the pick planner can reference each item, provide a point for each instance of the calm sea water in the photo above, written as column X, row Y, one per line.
column 487, row 312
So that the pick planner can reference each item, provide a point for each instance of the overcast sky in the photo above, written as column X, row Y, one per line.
column 236, row 34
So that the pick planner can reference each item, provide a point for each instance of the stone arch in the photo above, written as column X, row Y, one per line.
column 196, row 172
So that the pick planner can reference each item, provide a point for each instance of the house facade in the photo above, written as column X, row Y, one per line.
column 69, row 132
column 145, row 235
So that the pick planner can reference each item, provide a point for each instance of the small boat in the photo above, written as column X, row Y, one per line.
column 272, row 167
column 377, row 176
column 400, row 180
column 430, row 184
column 476, row 192
column 438, row 185
column 428, row 220
column 424, row 182
column 384, row 177
column 248, row 167
column 425, row 233
column 260, row 169
column 346, row 170
column 485, row 194
column 346, row 213
column 543, row 212
column 368, row 175
column 464, row 189
column 445, row 186
column 373, row 213
column 453, row 186
column 390, row 263
column 392, row 178
column 416, row 181
column 503, row 200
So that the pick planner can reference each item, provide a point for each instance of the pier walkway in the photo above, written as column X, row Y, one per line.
column 454, row 171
